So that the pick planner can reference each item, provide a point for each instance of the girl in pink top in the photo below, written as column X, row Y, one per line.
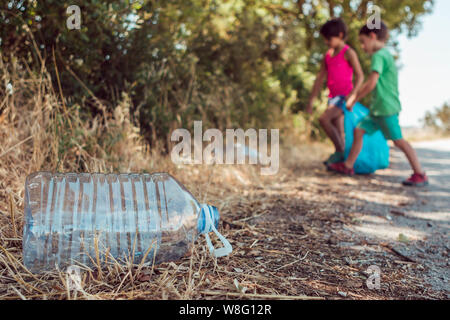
column 339, row 65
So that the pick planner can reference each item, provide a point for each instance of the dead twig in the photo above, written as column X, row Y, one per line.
column 260, row 296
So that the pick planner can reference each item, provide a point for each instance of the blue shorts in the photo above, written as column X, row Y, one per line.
column 338, row 101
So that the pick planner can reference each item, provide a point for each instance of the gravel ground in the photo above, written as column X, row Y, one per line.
column 346, row 225
column 419, row 228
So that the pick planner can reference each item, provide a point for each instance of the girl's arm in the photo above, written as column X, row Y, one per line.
column 317, row 86
column 353, row 60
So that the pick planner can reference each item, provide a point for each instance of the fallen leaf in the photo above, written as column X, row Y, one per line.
column 403, row 238
column 144, row 278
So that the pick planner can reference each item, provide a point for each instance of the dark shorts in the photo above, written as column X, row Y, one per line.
column 338, row 101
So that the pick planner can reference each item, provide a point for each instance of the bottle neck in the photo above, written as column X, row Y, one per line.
column 214, row 215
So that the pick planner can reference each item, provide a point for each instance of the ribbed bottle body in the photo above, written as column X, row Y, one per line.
column 95, row 218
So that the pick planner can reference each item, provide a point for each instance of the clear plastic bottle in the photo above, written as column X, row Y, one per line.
column 88, row 219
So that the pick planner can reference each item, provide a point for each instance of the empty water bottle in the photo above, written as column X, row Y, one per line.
column 89, row 219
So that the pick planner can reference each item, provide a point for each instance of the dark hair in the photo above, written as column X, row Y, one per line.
column 334, row 28
column 382, row 33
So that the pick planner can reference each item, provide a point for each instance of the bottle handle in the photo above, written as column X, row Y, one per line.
column 209, row 226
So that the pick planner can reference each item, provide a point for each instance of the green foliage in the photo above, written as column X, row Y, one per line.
column 439, row 119
column 234, row 63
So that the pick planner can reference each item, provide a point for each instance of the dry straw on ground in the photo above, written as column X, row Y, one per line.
column 283, row 229
column 38, row 132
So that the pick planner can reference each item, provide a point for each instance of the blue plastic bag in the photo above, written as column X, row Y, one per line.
column 375, row 152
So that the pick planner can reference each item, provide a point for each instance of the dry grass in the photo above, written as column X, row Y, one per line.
column 283, row 228
column 424, row 134
column 38, row 132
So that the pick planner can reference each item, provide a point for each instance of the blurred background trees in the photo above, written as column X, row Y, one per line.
column 230, row 63
column 439, row 119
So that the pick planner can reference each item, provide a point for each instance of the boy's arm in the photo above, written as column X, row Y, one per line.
column 317, row 86
column 368, row 86
column 353, row 60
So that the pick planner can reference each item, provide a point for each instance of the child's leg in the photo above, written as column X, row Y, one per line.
column 327, row 123
column 411, row 154
column 356, row 148
column 340, row 125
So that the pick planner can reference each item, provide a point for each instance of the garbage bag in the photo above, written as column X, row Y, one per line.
column 375, row 152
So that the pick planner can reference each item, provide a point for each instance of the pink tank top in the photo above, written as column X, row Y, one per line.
column 340, row 74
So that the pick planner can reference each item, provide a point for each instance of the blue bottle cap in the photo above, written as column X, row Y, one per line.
column 213, row 212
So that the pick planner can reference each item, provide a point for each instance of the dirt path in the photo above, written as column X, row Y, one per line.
column 419, row 229
column 315, row 233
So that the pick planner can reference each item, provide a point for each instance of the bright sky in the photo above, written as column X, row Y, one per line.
column 425, row 59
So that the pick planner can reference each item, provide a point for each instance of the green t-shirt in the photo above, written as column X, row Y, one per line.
column 386, row 100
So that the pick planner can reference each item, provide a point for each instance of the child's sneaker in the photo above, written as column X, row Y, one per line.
column 341, row 168
column 335, row 158
column 417, row 180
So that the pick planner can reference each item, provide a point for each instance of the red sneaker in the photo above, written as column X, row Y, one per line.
column 417, row 180
column 341, row 168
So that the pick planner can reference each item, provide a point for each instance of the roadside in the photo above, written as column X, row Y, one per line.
column 314, row 233
column 418, row 229
column 302, row 234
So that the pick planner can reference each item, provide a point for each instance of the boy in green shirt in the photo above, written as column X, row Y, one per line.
column 385, row 108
